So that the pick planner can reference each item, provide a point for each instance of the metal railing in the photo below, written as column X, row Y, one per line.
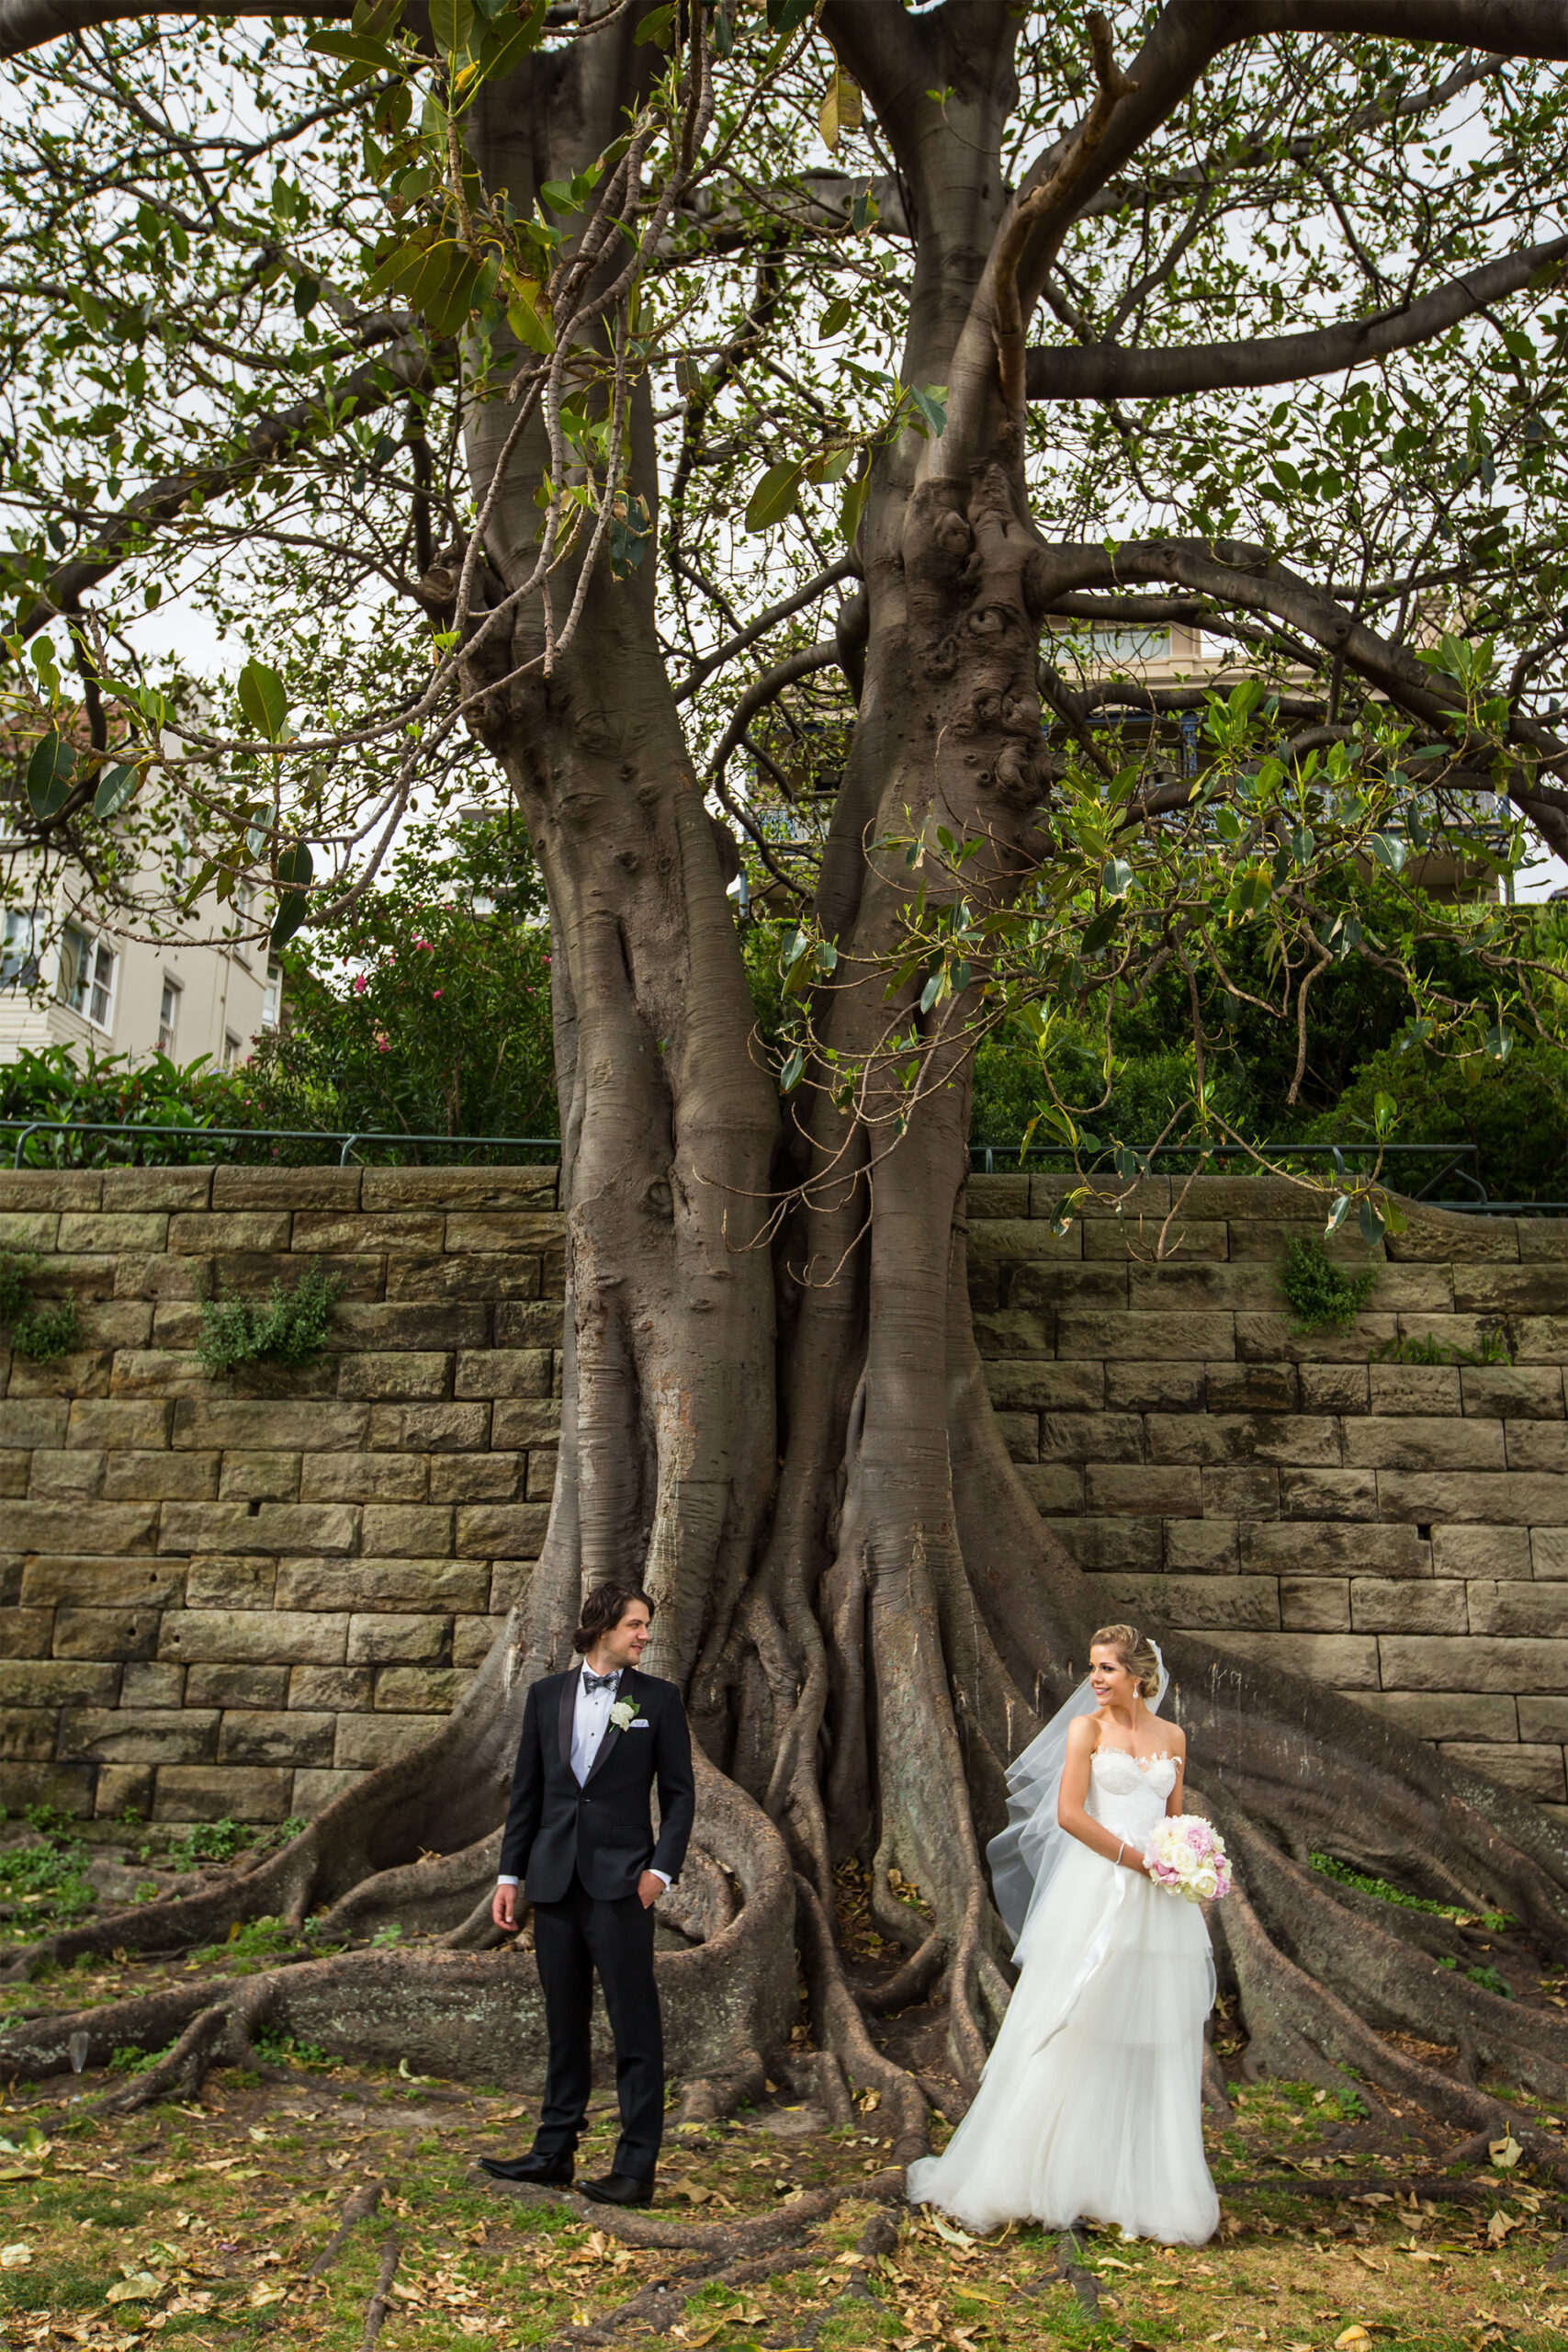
column 1460, row 1160
column 349, row 1140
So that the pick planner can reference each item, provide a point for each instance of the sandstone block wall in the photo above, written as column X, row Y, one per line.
column 1398, row 1530
column 227, row 1598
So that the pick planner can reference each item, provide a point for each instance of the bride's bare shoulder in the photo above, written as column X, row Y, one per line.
column 1178, row 1739
column 1083, row 1735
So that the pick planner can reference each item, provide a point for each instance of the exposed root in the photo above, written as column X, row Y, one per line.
column 1216, row 2098
column 181, row 2072
column 727, row 2241
column 359, row 2208
column 816, row 2075
column 1071, row 2271
column 911, row 1982
column 707, row 2099
column 377, row 2309
column 840, row 2026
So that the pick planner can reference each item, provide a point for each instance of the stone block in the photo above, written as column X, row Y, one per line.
column 1531, row 1445
column 157, row 1188
column 161, row 1477
column 1199, row 1604
column 13, row 1468
column 1502, row 1498
column 1535, row 1289
column 37, row 1189
column 391, row 1584
column 1098, row 1437
column 287, row 1188
column 1422, row 1389
column 459, row 1188
column 1407, row 1605
column 1055, row 1488
column 122, row 1789
column 27, row 1632
column 488, row 1279
column 57, row 1682
column 159, row 1276
column 997, row 1247
column 1021, row 1385
column 352, row 1233
column 108, row 1529
column 1150, row 1195
column 1543, row 1239
column 232, row 1583
column 119, row 1633
column 165, row 1370
column 502, row 1372
column 259, row 1736
column 297, row 1527
column 28, row 1734
column 1532, row 1771
column 471, row 1639
column 1313, row 1604
column 526, row 1421
column 121, row 1323
column 88, row 1280
column 512, row 1531
column 239, row 1686
column 363, row 1327
column 364, row 1741
column 138, row 1736
column 363, row 1478
column 1474, row 1662
column 1539, row 1719
column 1042, row 1289
column 259, row 1478
column 153, row 1684
column 479, row 1478
column 1300, row 1441
column 101, row 1233
column 431, row 1429
column 30, row 1230
column 407, row 1531
column 1445, row 1714
column 1414, row 1441
column 1126, row 1339
column 1177, row 1387
column 90, row 1581
column 67, row 1787
column 420, row 1689
column 250, row 1273
column 1328, row 1493
column 510, row 1582
column 1172, row 1287
column 1207, row 1547
column 314, row 1790
column 1461, row 1551
column 1445, row 1238
column 1271, row 1338
column 1517, row 1393
column 119, row 1425
column 268, row 1424
column 1252, row 1388
column 1515, row 1608
column 1010, row 1335
column 542, row 1470
column 1548, row 1552
column 221, row 1792
column 28, row 1421
column 272, row 1636
column 488, row 1230
column 1541, row 1339
column 331, row 1690
column 1249, row 1490
column 71, row 1473
column 1335, row 1548
column 395, row 1373
column 1098, row 1544
column 86, row 1374
column 1170, row 1490
column 1346, row 1661
column 997, row 1195
column 1268, row 1238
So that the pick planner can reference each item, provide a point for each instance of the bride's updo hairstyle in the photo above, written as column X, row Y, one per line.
column 1133, row 1653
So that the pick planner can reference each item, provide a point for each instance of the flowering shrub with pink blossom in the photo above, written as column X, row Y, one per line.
column 1186, row 1856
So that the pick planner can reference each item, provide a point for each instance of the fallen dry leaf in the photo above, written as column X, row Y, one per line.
column 16, row 2258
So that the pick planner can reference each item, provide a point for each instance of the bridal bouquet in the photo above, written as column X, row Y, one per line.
column 1187, row 1856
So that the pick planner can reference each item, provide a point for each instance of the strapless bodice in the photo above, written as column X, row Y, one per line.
column 1128, row 1796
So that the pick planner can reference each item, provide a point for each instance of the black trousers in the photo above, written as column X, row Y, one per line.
column 572, row 1938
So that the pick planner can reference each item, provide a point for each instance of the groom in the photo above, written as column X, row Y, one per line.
column 580, row 1836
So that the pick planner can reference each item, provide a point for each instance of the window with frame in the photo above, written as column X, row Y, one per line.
column 88, row 966
column 272, row 996
column 231, row 1049
column 20, row 956
column 169, row 1016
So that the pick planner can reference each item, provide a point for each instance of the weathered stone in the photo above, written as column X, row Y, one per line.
column 407, row 1531
column 1249, row 1490
column 458, row 1188
column 257, row 1736
column 1444, row 1239
column 57, row 1682
column 505, row 1229
column 382, row 1640
column 394, row 1584
column 1515, row 1608
column 37, row 1189
column 1334, row 1548
column 108, row 1529
column 1541, row 1339
column 93, row 1581
column 1141, row 1489
column 105, row 1632
column 66, row 1474
column 359, row 1327
column 471, row 1639
column 1347, row 1661
column 85, row 1375
column 430, row 1428
column 1204, row 1603
column 1124, row 1338
column 1535, row 1446
column 1535, row 1289
column 1544, row 1238
column 1406, row 1605
column 1531, row 1771
column 515, row 1530
column 479, row 1478
column 33, row 1421
column 239, row 1686
column 1417, row 1388
column 488, row 1279
column 135, row 1735
column 14, row 1469
column 1109, row 1543
column 1268, row 1238
column 27, row 1632
column 1328, row 1493
column 331, row 1690
column 259, row 1478
column 102, row 1233
column 258, row 1424
column 395, row 1373
column 1007, row 1243
column 1444, row 1714
column 1539, row 1719
column 159, row 1276
column 1459, row 1551
column 1271, row 1338
column 1165, row 1287
column 157, row 1188
column 28, row 1734
column 120, row 1424
column 526, row 1421
column 542, row 1471
column 997, row 1195
column 1473, row 1661
column 122, row 1323
column 367, row 1740
column 510, row 1582
column 1098, row 1437
column 88, row 1280
column 159, row 1372
column 1010, row 1335
column 1549, row 1551
column 221, row 1792
column 1517, row 1392
column 1297, row 1439
column 1412, row 1441
column 272, row 1527
column 1313, row 1604
column 229, row 1583
column 275, row 1636
column 67, row 1787
column 30, row 1230
column 1503, row 1497
column 152, row 1683
column 250, row 1273
column 352, row 1233
column 124, row 1791
column 1018, row 1385
column 1177, row 1387
column 502, row 1372
column 285, row 1188
column 1055, row 1488
column 363, row 1478
column 1251, row 1388
column 1209, row 1547
column 314, row 1790
column 161, row 1477
column 420, row 1689
column 1042, row 1289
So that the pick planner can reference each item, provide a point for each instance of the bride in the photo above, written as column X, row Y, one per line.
column 1090, row 2102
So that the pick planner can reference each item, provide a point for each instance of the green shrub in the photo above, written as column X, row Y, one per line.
column 1515, row 1111
column 208, row 1842
column 1495, row 1922
column 288, row 1327
column 1321, row 1297
column 43, row 1334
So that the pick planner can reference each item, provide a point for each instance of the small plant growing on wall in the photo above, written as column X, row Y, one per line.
column 1320, row 1295
column 288, row 1328
column 41, row 1333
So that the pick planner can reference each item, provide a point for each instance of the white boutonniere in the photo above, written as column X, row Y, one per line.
column 624, row 1714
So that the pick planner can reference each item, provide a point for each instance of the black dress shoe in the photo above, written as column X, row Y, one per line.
column 547, row 2172
column 620, row 2188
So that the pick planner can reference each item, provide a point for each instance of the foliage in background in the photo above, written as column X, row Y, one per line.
column 1321, row 1296
column 289, row 1328
column 114, row 1090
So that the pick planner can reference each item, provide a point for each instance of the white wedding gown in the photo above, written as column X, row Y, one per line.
column 1091, row 2102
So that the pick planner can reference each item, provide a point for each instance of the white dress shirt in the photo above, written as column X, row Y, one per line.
column 590, row 1722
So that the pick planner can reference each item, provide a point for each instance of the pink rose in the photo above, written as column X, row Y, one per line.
column 360, row 985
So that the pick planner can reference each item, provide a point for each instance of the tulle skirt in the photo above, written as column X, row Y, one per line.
column 1090, row 2106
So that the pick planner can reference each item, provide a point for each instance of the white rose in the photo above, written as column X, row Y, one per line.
column 622, row 1712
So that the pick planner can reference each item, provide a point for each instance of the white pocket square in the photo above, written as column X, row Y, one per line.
column 641, row 1725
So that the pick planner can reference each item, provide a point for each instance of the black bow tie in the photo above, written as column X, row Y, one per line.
column 592, row 1681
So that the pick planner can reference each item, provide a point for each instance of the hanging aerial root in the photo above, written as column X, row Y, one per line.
column 840, row 2027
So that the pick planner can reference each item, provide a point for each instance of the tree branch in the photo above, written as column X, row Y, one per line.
column 767, row 689
column 703, row 666
column 29, row 24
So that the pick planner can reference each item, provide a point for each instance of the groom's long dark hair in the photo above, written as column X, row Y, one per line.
column 603, row 1610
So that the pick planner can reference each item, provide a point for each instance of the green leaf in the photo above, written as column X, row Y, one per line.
column 1101, row 930
column 774, row 497
column 1389, row 851
column 451, row 21
column 655, row 26
column 788, row 15
column 1338, row 1214
column 835, row 318
column 528, row 317
column 790, row 1076
column 930, row 403
column 842, row 109
column 854, row 506
column 50, row 771
column 262, row 699
column 295, row 867
column 1371, row 1223
column 116, row 787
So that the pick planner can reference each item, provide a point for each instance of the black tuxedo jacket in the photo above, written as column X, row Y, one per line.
column 603, row 1830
